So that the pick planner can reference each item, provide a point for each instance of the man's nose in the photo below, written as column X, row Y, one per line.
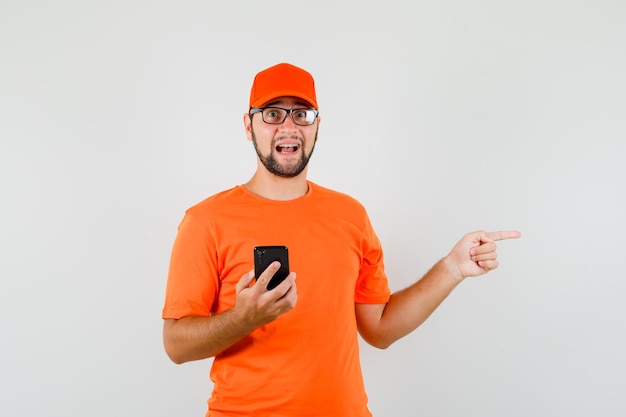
column 288, row 123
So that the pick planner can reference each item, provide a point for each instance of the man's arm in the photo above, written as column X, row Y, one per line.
column 382, row 324
column 192, row 338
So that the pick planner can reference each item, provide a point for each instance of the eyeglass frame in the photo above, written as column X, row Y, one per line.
column 289, row 112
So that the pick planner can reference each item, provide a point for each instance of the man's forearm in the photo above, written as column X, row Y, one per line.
column 409, row 308
column 193, row 338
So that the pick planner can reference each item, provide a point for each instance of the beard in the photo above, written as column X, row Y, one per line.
column 272, row 165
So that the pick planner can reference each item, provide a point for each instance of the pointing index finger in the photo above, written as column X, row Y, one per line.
column 503, row 234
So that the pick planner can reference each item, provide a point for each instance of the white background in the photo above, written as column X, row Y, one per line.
column 440, row 117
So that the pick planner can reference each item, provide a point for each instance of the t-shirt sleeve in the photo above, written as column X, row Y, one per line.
column 372, row 286
column 192, row 283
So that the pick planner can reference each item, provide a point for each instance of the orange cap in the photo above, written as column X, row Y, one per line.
column 282, row 80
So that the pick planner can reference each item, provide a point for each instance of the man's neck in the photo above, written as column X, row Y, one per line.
column 273, row 187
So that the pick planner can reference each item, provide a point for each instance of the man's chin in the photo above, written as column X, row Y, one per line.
column 286, row 171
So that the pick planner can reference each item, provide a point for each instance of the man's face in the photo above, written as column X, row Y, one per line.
column 283, row 149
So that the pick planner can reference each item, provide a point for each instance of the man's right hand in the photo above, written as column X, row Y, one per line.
column 256, row 305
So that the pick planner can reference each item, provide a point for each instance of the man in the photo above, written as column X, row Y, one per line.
column 293, row 350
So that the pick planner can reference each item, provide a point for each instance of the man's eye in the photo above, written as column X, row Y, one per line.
column 271, row 113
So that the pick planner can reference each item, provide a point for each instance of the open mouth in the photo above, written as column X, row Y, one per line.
column 287, row 148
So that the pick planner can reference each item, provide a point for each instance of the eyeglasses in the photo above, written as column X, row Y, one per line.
column 277, row 115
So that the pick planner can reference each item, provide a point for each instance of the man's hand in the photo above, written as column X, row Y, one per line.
column 475, row 254
column 256, row 306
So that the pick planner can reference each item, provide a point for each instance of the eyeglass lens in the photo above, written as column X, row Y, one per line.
column 277, row 115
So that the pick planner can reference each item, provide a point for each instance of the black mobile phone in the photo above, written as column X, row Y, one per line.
column 264, row 256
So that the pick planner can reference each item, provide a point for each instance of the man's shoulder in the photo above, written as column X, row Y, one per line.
column 337, row 197
column 223, row 200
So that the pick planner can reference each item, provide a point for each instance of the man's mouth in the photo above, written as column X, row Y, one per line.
column 287, row 148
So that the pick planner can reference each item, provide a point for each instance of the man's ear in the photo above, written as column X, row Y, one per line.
column 247, row 124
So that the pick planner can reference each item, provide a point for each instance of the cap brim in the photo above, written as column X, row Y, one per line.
column 261, row 101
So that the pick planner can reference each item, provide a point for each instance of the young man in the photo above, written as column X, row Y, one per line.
column 293, row 350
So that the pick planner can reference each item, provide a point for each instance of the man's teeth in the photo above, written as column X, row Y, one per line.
column 289, row 147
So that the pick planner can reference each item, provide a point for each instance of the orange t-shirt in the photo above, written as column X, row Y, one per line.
column 306, row 362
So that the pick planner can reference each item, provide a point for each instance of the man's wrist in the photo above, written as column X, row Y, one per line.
column 451, row 269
